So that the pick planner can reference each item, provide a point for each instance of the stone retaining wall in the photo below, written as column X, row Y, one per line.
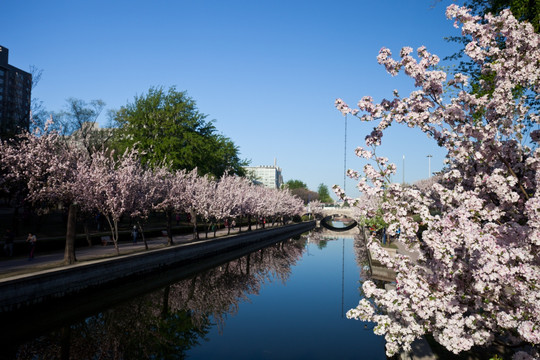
column 31, row 289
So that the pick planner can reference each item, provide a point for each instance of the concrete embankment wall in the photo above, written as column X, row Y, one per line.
column 32, row 289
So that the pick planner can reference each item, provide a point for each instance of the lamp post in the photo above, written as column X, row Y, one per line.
column 345, row 158
column 429, row 165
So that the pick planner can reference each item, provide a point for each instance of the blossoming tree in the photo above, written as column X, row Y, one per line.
column 113, row 187
column 226, row 197
column 171, row 194
column 49, row 170
column 477, row 277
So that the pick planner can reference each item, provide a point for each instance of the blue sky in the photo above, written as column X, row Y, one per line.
column 268, row 72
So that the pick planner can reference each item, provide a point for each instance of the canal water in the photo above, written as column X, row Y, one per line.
column 286, row 301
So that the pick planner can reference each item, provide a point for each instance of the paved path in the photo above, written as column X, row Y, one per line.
column 19, row 265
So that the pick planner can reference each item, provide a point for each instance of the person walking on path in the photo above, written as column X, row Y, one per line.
column 9, row 237
column 134, row 234
column 31, row 239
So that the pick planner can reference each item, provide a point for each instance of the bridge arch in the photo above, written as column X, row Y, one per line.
column 325, row 222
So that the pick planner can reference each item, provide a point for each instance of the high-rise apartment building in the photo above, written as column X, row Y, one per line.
column 269, row 176
column 15, row 95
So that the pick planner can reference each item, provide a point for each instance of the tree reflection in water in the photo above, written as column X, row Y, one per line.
column 166, row 323
column 362, row 260
column 362, row 257
column 218, row 292
column 139, row 329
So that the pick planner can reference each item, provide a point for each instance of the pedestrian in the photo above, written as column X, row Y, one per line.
column 9, row 237
column 134, row 234
column 233, row 224
column 31, row 240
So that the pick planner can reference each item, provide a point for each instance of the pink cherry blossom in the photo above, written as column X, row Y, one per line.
column 475, row 274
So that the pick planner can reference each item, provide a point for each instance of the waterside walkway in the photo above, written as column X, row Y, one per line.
column 20, row 265
column 26, row 282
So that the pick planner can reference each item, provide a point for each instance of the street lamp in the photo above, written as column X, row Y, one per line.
column 429, row 165
column 345, row 158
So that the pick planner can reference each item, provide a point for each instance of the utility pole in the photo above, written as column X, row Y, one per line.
column 429, row 165
column 345, row 158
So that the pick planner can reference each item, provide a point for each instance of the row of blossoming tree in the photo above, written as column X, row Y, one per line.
column 46, row 171
column 477, row 278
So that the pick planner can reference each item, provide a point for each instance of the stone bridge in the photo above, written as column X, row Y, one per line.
column 347, row 211
column 330, row 214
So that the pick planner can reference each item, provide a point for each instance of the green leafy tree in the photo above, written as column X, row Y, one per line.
column 295, row 184
column 523, row 10
column 166, row 126
column 222, row 157
column 324, row 194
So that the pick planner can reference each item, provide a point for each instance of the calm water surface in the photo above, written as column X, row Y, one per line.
column 287, row 301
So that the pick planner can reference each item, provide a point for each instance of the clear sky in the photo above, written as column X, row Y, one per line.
column 268, row 72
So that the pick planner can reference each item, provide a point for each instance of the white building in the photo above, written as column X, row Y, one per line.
column 269, row 176
column 90, row 135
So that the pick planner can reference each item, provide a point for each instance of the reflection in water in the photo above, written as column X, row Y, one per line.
column 139, row 329
column 284, row 301
column 166, row 323
column 362, row 258
column 218, row 292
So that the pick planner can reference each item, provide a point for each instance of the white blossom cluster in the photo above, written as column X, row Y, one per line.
column 45, row 170
column 477, row 277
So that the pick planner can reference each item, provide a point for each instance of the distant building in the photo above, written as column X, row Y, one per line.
column 269, row 176
column 15, row 95
column 90, row 136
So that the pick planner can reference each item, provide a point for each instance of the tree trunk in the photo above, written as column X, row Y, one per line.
column 87, row 231
column 194, row 222
column 69, row 251
column 249, row 223
column 192, row 287
column 165, row 306
column 115, row 237
column 141, row 230
column 113, row 225
column 169, row 227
